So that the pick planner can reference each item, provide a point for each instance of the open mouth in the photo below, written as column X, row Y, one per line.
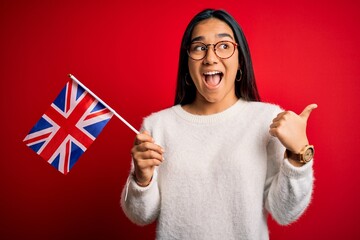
column 213, row 78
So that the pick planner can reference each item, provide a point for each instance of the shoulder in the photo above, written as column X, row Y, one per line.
column 160, row 114
column 259, row 116
column 158, row 117
column 263, row 108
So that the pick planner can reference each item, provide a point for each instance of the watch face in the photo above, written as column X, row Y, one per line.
column 309, row 153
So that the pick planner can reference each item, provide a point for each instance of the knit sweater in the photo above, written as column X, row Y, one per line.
column 221, row 177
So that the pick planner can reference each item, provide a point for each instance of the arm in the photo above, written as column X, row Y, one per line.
column 288, row 188
column 141, row 204
column 140, row 197
column 289, row 183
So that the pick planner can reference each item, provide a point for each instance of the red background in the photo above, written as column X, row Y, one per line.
column 303, row 52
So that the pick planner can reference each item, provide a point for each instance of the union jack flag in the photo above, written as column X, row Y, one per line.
column 68, row 127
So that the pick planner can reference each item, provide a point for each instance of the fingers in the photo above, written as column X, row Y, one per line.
column 143, row 137
column 283, row 116
column 273, row 132
column 143, row 165
column 146, row 146
column 146, row 149
column 146, row 156
column 141, row 153
column 144, row 142
column 275, row 128
column 306, row 112
column 282, row 122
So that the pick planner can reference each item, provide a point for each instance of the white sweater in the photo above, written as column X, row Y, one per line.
column 222, row 175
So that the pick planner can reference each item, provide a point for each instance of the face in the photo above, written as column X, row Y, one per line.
column 214, row 77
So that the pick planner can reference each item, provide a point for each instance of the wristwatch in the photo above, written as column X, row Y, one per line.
column 306, row 154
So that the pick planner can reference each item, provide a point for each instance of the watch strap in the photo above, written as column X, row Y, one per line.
column 294, row 156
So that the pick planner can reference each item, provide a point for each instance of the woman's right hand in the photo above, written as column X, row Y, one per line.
column 146, row 155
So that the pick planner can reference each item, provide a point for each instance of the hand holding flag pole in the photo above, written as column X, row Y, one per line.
column 103, row 103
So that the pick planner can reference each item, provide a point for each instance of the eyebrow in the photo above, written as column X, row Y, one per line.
column 220, row 35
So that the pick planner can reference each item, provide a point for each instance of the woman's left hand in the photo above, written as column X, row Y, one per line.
column 290, row 128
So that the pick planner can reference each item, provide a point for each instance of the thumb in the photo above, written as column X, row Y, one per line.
column 306, row 112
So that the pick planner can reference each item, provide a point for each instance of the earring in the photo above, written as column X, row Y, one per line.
column 238, row 75
column 186, row 78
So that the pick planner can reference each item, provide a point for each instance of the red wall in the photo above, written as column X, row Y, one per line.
column 303, row 52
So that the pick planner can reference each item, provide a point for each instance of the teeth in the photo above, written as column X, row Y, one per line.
column 212, row 73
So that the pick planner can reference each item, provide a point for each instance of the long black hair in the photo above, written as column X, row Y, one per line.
column 245, row 89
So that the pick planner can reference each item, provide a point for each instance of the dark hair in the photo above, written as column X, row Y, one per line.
column 245, row 89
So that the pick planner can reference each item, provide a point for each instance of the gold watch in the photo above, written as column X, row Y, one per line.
column 306, row 154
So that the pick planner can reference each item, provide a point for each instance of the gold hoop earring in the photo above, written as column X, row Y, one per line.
column 238, row 75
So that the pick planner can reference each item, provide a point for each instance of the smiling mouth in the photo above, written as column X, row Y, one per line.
column 213, row 78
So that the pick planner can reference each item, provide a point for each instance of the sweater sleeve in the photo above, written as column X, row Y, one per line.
column 141, row 204
column 288, row 189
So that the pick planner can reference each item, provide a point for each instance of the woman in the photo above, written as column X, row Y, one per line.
column 210, row 167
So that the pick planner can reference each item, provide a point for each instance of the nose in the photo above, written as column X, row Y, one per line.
column 210, row 57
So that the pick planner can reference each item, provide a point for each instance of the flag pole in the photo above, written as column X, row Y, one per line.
column 103, row 103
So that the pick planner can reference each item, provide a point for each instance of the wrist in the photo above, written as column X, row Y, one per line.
column 299, row 147
column 295, row 163
column 140, row 183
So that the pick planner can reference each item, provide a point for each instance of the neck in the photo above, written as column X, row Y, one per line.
column 204, row 107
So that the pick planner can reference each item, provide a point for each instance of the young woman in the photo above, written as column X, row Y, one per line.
column 213, row 165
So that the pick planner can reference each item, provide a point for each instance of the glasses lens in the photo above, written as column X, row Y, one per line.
column 197, row 50
column 224, row 49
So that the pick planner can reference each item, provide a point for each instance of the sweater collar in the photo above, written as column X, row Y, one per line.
column 211, row 118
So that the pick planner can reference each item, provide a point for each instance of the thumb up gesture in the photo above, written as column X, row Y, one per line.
column 290, row 128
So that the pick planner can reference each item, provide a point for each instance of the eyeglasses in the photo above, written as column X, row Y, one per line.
column 222, row 49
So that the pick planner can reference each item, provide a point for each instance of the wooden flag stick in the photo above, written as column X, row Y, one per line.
column 103, row 103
